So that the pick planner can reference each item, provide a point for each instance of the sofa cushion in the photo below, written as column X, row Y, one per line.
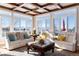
column 21, row 35
column 18, row 35
column 26, row 36
column 11, row 37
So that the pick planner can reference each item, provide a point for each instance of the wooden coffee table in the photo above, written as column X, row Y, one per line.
column 41, row 48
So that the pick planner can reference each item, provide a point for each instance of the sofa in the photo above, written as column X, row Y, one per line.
column 16, row 40
column 69, row 43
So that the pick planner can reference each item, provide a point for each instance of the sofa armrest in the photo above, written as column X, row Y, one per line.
column 7, row 43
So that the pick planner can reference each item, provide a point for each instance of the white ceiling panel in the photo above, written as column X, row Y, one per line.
column 41, row 10
column 21, row 9
column 31, row 6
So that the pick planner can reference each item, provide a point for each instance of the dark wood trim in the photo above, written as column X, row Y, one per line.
column 5, row 7
column 40, row 6
column 31, row 10
column 15, row 4
column 72, row 5
column 15, row 11
column 60, row 6
column 26, row 9
column 63, row 7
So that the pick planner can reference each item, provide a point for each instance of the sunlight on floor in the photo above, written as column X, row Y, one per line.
column 4, row 51
column 59, row 49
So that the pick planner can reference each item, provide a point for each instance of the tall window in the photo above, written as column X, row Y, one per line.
column 22, row 23
column 56, row 25
column 65, row 21
column 29, row 24
column 71, row 23
column 17, row 24
column 5, row 24
column 43, row 23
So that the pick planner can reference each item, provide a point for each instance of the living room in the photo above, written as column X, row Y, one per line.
column 25, row 27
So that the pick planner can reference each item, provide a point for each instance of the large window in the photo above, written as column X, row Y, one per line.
column 5, row 12
column 17, row 24
column 65, row 21
column 22, row 23
column 71, row 23
column 5, row 24
column 43, row 23
column 56, row 24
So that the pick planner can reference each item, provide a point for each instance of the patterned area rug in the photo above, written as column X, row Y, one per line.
column 22, row 52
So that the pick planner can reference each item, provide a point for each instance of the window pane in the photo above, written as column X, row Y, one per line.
column 5, row 24
column 65, row 20
column 71, row 23
column 4, row 12
column 16, row 24
column 28, row 24
column 56, row 25
column 43, row 23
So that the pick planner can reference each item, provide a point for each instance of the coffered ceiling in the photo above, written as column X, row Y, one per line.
column 36, row 8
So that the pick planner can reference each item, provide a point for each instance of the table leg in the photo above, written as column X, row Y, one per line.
column 27, row 48
column 34, row 38
column 53, row 48
column 42, row 53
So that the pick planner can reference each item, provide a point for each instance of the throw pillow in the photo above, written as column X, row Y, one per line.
column 11, row 37
column 45, row 34
column 61, row 38
column 26, row 36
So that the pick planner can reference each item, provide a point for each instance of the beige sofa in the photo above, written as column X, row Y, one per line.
column 17, row 43
column 69, row 43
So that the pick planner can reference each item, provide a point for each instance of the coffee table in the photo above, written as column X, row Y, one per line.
column 41, row 48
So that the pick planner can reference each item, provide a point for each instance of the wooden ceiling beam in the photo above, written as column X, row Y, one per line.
column 31, row 10
column 14, row 4
column 75, row 4
column 14, row 10
column 48, row 4
column 72, row 5
column 5, row 7
column 41, row 6
column 19, row 6
column 61, row 7
column 64, row 7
